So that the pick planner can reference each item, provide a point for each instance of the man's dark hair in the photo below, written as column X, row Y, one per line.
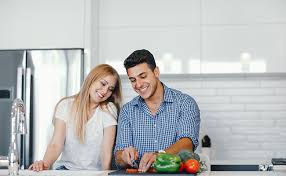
column 139, row 57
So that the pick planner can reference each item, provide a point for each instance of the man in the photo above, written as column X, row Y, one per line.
column 159, row 119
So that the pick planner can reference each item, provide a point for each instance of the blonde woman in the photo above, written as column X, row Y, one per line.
column 85, row 125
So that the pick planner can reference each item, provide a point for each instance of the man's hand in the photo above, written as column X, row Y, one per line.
column 39, row 166
column 129, row 154
column 146, row 161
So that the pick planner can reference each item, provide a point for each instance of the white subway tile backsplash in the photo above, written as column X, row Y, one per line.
column 246, row 123
column 259, row 155
column 276, row 115
column 273, row 83
column 274, row 146
column 279, row 154
column 230, row 84
column 215, row 131
column 183, row 84
column 280, row 91
column 265, row 107
column 257, row 130
column 212, row 99
column 201, row 92
column 258, row 99
column 246, row 91
column 238, row 145
column 231, row 115
column 221, row 107
column 281, row 123
column 208, row 123
column 266, row 138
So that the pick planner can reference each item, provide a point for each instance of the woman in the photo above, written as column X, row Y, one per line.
column 85, row 124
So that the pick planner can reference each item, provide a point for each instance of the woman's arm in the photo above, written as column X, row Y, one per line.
column 54, row 148
column 107, row 146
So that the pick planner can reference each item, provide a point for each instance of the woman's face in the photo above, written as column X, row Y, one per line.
column 102, row 89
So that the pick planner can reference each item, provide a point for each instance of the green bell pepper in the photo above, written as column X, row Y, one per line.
column 167, row 163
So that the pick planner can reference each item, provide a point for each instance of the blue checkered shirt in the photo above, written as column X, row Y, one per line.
column 177, row 117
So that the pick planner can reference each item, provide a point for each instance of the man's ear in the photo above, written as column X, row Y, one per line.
column 157, row 72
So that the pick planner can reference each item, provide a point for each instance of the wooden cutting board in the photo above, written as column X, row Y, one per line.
column 123, row 172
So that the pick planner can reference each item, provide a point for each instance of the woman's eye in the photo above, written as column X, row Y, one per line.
column 143, row 76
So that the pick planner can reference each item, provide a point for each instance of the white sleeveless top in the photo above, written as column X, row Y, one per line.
column 87, row 156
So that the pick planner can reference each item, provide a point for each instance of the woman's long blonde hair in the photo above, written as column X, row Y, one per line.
column 81, row 102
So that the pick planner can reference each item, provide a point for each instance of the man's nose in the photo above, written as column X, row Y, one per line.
column 138, row 84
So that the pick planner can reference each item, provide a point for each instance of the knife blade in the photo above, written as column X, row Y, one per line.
column 134, row 164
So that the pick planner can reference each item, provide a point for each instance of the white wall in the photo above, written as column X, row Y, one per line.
column 42, row 24
column 245, row 116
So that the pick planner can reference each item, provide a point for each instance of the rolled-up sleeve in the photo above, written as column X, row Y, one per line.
column 124, row 133
column 189, row 121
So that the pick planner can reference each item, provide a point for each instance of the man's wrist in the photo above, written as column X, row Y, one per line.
column 160, row 151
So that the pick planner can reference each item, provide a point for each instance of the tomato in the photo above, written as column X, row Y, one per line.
column 192, row 166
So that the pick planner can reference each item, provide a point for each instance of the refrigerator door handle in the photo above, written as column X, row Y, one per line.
column 26, row 142
column 19, row 82
column 28, row 94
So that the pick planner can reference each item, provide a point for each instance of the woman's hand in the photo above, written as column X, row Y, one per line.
column 39, row 166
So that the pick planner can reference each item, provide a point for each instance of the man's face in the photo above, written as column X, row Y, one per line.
column 144, row 80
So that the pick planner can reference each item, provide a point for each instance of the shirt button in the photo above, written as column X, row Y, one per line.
column 155, row 125
column 155, row 141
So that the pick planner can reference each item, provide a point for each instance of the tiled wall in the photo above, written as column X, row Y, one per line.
column 245, row 116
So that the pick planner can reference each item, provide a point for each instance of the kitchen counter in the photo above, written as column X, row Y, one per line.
column 4, row 172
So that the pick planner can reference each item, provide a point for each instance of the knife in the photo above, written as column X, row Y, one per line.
column 134, row 164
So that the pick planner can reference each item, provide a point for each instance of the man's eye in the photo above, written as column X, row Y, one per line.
column 102, row 83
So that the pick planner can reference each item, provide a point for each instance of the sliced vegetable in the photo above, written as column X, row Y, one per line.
column 131, row 171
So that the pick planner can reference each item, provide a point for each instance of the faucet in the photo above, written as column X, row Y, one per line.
column 18, row 126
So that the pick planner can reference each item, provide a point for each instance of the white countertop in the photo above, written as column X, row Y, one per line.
column 4, row 172
column 57, row 173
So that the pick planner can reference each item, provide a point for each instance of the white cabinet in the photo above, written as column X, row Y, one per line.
column 243, row 36
column 42, row 24
column 196, row 36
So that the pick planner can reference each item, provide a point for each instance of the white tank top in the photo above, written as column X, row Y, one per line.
column 87, row 156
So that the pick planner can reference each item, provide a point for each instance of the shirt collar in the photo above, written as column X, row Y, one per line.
column 168, row 97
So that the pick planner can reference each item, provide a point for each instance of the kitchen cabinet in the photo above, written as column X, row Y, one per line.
column 208, row 36
column 42, row 24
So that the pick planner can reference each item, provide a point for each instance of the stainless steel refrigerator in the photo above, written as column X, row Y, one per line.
column 40, row 77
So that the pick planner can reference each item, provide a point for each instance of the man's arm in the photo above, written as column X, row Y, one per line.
column 188, row 125
column 183, row 143
column 124, row 152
